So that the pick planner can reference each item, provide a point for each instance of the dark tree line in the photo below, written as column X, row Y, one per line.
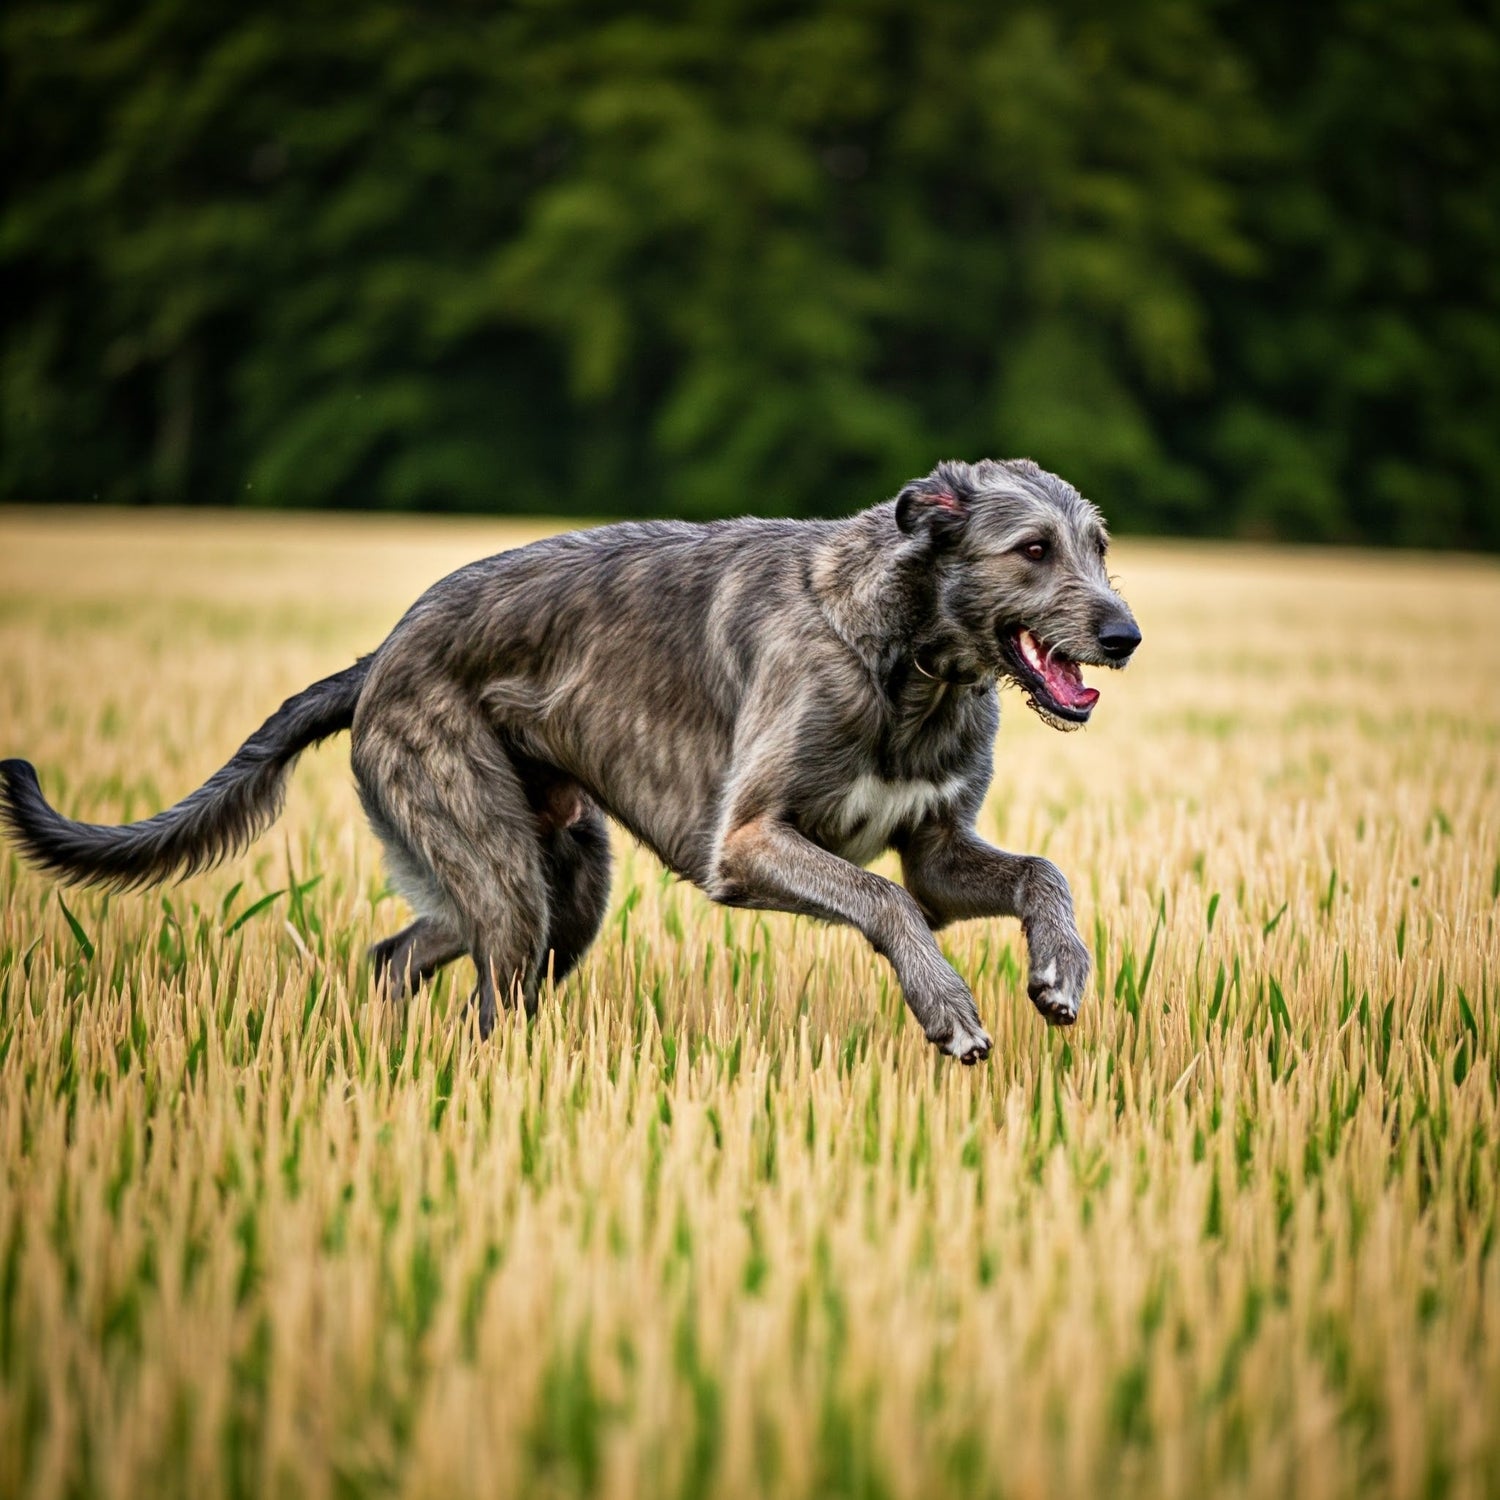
column 1232, row 265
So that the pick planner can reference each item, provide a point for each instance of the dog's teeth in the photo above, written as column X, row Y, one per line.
column 1029, row 649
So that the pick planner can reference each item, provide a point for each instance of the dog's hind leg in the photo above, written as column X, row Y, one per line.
column 576, row 863
column 461, row 836
column 412, row 956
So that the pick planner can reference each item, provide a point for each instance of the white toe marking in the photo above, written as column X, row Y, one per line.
column 963, row 1041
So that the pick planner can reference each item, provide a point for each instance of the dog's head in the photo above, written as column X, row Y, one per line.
column 1022, row 593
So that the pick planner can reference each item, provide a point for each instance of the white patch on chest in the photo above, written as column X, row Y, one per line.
column 873, row 809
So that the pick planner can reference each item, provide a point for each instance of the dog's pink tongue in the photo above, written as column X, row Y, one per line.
column 1065, row 683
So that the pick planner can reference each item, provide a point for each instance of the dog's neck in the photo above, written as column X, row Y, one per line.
column 875, row 587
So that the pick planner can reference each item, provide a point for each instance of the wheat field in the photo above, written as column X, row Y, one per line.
column 719, row 1222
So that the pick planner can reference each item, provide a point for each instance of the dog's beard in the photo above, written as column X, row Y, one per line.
column 1045, row 714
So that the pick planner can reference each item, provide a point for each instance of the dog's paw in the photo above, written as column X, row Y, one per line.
column 968, row 1041
column 1057, row 982
column 389, row 976
column 949, row 1016
column 969, row 1046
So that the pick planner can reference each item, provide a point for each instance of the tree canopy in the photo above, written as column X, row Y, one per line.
column 1231, row 267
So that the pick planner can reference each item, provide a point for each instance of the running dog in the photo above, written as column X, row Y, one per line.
column 766, row 705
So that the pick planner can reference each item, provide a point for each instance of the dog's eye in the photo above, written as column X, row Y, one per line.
column 1036, row 551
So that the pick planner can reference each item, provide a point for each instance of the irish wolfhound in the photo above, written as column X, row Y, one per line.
column 767, row 705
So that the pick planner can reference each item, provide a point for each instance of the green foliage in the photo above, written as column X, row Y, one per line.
column 1228, row 266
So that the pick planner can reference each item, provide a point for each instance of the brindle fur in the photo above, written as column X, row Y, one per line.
column 766, row 705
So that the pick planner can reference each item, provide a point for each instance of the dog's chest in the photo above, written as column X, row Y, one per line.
column 872, row 809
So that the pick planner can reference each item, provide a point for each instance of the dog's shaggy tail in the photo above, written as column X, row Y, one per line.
column 232, row 807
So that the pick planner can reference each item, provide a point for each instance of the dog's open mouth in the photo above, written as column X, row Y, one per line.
column 1053, row 681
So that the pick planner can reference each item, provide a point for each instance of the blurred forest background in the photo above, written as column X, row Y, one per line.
column 1233, row 266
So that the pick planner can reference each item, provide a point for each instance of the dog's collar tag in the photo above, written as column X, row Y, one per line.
column 916, row 661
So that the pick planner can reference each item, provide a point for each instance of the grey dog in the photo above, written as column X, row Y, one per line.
column 767, row 705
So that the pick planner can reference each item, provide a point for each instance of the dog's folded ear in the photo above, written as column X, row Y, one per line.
column 936, row 506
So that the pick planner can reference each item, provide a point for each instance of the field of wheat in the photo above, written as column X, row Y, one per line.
column 719, row 1222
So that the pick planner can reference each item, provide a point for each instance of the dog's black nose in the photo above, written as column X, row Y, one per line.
column 1119, row 638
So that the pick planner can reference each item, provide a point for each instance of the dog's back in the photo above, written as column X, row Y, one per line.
column 621, row 656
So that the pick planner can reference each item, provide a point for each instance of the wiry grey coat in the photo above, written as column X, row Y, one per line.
column 767, row 705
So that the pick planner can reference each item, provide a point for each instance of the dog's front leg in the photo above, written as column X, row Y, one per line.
column 765, row 863
column 954, row 874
